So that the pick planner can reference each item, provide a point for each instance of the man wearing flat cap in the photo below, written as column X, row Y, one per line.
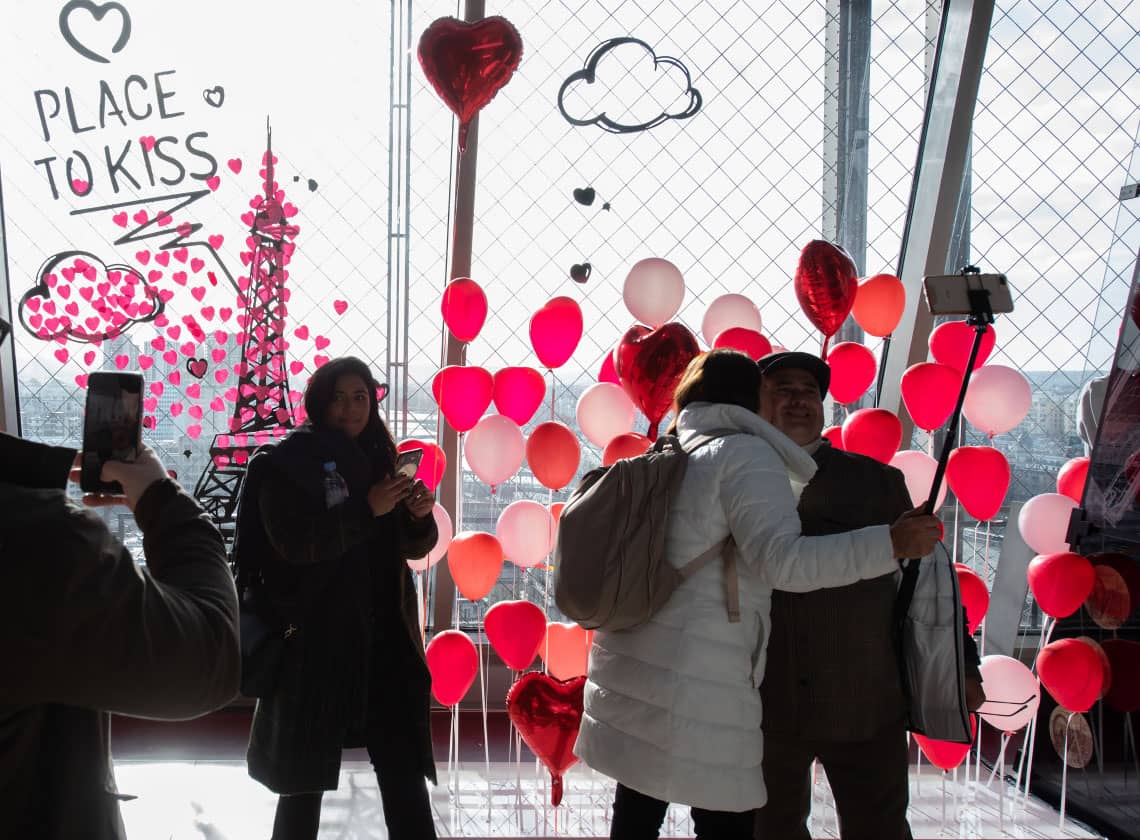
column 831, row 688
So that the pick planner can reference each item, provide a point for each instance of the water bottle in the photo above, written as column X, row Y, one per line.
column 336, row 489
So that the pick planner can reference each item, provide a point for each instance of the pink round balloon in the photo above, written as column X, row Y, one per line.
column 526, row 531
column 463, row 394
column 745, row 340
column 519, row 391
column 653, row 291
column 997, row 400
column 1012, row 693
column 494, row 449
column 446, row 532
column 1043, row 522
column 918, row 469
column 464, row 308
column 729, row 311
column 555, row 331
column 605, row 411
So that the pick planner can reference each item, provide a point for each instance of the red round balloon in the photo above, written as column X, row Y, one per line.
column 979, row 477
column 555, row 331
column 835, row 435
column 468, row 63
column 463, row 394
column 1124, row 660
column 853, row 369
column 453, row 663
column 745, row 340
column 930, row 392
column 1061, row 582
column 1071, row 478
column 1071, row 671
column 553, row 453
column 946, row 755
column 432, row 464
column 874, row 432
column 515, row 630
column 547, row 713
column 519, row 391
column 475, row 560
column 950, row 345
column 464, row 308
column 975, row 596
column 629, row 445
column 826, row 285
column 650, row 363
column 879, row 304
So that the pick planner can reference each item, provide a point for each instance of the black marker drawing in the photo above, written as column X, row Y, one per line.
column 580, row 273
column 586, row 196
column 588, row 75
column 214, row 96
column 97, row 11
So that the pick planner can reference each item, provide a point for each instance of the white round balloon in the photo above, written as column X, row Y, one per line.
column 1012, row 693
column 918, row 469
column 494, row 449
column 997, row 400
column 653, row 291
column 446, row 532
column 1044, row 522
column 605, row 411
column 729, row 311
column 526, row 531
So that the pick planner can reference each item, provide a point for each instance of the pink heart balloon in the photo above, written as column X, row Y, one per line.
column 463, row 394
column 555, row 331
column 519, row 392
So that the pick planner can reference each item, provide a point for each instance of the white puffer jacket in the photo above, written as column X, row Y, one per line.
column 671, row 707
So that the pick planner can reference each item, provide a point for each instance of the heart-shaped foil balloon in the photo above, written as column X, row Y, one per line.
column 649, row 364
column 826, row 284
column 547, row 713
column 468, row 63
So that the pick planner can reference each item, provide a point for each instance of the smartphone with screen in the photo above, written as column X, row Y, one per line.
column 112, row 426
column 949, row 294
column 408, row 463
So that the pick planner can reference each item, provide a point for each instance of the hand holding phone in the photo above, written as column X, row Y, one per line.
column 408, row 463
column 112, row 426
column 135, row 478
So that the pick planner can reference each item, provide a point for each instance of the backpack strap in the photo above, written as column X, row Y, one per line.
column 731, row 583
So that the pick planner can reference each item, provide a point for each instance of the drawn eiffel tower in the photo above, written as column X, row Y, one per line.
column 262, row 411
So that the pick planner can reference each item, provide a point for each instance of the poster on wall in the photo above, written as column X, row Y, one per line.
column 198, row 194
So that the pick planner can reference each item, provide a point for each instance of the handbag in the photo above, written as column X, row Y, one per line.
column 930, row 633
column 263, row 642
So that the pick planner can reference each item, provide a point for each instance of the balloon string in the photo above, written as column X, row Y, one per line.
column 483, row 690
column 823, row 351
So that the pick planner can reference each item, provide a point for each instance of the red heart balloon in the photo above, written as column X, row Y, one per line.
column 432, row 464
column 1061, row 582
column 975, row 596
column 468, row 63
column 930, row 392
column 453, row 663
column 555, row 331
column 1072, row 672
column 979, row 477
column 950, row 344
column 853, row 369
column 547, row 713
column 464, row 308
column 874, row 432
column 463, row 394
column 649, row 364
column 826, row 284
column 515, row 630
column 519, row 392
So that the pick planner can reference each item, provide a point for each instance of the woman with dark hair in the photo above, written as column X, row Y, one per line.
column 339, row 525
column 672, row 710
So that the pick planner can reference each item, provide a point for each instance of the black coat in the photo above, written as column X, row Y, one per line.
column 85, row 631
column 355, row 665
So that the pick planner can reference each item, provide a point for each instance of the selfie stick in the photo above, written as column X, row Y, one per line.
column 981, row 315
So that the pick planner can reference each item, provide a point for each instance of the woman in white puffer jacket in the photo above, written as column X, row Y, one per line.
column 672, row 710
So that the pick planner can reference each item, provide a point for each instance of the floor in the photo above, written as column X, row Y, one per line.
column 193, row 784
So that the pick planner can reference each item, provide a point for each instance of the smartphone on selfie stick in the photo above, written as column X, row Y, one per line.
column 112, row 426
